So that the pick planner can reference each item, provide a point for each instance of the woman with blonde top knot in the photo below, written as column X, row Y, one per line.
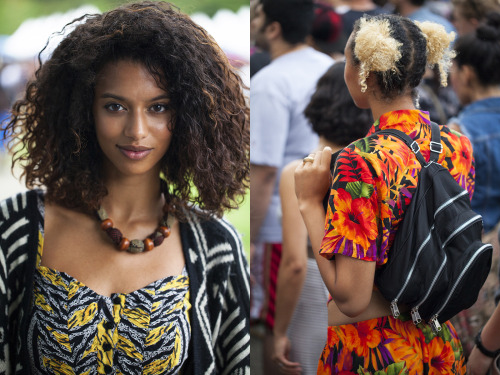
column 373, row 183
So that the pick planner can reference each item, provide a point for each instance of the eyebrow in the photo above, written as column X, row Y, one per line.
column 117, row 97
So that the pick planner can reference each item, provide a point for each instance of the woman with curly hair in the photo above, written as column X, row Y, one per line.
column 373, row 183
column 137, row 130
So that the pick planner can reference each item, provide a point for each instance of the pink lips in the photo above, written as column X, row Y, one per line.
column 134, row 152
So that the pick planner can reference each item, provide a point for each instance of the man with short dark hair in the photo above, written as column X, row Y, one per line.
column 279, row 131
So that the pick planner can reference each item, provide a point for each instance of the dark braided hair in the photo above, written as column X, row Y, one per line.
column 397, row 51
column 52, row 132
column 410, row 68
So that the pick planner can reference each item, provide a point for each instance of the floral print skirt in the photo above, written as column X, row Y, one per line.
column 391, row 346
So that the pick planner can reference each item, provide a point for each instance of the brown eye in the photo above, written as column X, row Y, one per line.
column 159, row 108
column 114, row 107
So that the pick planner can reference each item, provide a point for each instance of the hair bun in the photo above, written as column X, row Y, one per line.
column 375, row 47
column 490, row 30
column 438, row 47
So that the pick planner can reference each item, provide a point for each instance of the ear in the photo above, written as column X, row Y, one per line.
column 474, row 22
column 469, row 76
column 273, row 30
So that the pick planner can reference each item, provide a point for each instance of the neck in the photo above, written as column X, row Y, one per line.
column 360, row 5
column 485, row 92
column 323, row 142
column 133, row 197
column 406, row 9
column 280, row 48
column 379, row 107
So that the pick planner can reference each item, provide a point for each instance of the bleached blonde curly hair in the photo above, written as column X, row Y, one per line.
column 397, row 51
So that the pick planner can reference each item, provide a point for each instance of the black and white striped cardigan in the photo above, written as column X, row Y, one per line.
column 219, row 284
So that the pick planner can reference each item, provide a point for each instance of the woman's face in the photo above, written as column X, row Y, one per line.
column 351, row 77
column 132, row 119
column 462, row 24
column 459, row 82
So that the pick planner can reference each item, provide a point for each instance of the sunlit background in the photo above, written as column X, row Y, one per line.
column 27, row 25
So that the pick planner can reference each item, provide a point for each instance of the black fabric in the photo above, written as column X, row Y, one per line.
column 438, row 263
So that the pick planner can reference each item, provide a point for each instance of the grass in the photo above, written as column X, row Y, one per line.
column 240, row 218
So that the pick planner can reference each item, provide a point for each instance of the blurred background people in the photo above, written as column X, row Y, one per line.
column 418, row 10
column 279, row 134
column 467, row 14
column 301, row 297
column 475, row 77
column 326, row 34
column 476, row 80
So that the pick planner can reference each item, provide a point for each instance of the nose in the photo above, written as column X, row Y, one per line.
column 137, row 126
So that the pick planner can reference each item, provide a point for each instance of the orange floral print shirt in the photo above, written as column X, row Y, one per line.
column 374, row 180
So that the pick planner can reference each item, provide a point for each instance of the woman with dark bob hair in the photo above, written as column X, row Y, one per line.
column 137, row 130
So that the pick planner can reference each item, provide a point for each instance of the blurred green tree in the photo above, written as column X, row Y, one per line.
column 14, row 12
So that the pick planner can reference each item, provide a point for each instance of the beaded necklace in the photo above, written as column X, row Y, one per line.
column 135, row 246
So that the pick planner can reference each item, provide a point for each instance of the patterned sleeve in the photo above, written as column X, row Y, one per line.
column 353, row 216
column 459, row 160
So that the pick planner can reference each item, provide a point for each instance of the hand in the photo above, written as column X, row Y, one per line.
column 313, row 179
column 281, row 350
column 478, row 363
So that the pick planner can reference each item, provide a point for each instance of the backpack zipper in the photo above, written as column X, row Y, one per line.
column 414, row 311
column 394, row 303
column 433, row 321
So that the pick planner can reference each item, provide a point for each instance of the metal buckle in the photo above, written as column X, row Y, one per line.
column 438, row 145
column 415, row 147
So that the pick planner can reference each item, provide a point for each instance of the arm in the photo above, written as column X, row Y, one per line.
column 478, row 363
column 349, row 280
column 293, row 266
column 262, row 181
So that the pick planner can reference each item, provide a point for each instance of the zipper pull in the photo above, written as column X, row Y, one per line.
column 394, row 308
column 415, row 316
column 436, row 327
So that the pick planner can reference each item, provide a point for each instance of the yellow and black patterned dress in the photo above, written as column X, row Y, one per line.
column 74, row 330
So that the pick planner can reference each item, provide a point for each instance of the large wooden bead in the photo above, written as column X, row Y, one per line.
column 165, row 231
column 124, row 244
column 148, row 244
column 106, row 224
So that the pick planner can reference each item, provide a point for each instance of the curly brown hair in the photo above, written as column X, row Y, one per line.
column 52, row 132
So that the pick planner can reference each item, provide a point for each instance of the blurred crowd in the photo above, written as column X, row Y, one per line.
column 295, row 108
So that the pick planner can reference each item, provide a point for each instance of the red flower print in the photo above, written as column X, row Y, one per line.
column 461, row 158
column 354, row 219
column 441, row 357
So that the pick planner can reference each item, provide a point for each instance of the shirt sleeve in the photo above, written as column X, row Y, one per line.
column 354, row 215
column 269, row 126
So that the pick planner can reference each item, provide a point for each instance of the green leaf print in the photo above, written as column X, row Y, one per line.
column 428, row 334
column 359, row 189
column 363, row 144
column 361, row 371
column 393, row 369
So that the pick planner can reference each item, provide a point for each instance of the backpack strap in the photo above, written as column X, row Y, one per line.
column 435, row 145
